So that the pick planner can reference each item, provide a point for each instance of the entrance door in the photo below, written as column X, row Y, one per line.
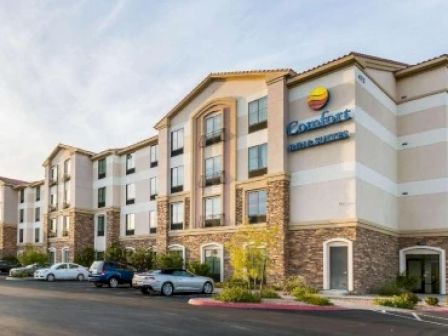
column 426, row 270
column 338, row 267
column 211, row 256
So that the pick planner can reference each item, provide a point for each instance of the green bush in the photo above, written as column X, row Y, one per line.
column 389, row 289
column 115, row 253
column 431, row 301
column 269, row 293
column 169, row 260
column 31, row 255
column 198, row 268
column 142, row 259
column 401, row 284
column 314, row 299
column 237, row 294
column 406, row 282
column 292, row 283
column 299, row 291
column 404, row 300
column 85, row 257
column 231, row 283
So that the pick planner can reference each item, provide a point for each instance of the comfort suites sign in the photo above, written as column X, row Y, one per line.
column 317, row 100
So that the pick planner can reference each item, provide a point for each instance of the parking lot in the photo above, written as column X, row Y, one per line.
column 77, row 308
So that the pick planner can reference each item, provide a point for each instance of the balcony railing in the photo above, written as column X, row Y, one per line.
column 53, row 181
column 101, row 175
column 255, row 219
column 175, row 189
column 213, row 178
column 53, row 207
column 213, row 220
column 212, row 137
column 177, row 151
column 176, row 226
column 130, row 201
column 52, row 234
column 258, row 126
column 152, row 230
column 65, row 233
column 66, row 176
column 154, row 164
column 152, row 197
column 130, row 232
column 258, row 172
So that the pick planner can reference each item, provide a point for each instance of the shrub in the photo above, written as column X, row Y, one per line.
column 169, row 260
column 231, row 283
column 401, row 284
column 237, row 294
column 404, row 300
column 292, row 283
column 388, row 289
column 85, row 257
column 142, row 259
column 314, row 299
column 115, row 253
column 406, row 282
column 431, row 301
column 269, row 293
column 198, row 268
column 32, row 255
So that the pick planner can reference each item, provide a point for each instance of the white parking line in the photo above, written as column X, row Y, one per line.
column 416, row 316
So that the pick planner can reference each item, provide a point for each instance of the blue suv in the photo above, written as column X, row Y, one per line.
column 110, row 273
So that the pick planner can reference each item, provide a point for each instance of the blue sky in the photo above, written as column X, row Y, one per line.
column 99, row 74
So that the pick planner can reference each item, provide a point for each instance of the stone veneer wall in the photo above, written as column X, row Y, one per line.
column 8, row 240
column 440, row 242
column 81, row 231
column 112, row 227
column 187, row 213
column 375, row 255
column 239, row 206
column 162, row 223
column 138, row 242
column 277, row 217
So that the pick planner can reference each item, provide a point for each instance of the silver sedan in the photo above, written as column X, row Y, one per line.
column 171, row 281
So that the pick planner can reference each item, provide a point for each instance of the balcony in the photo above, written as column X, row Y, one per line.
column 52, row 234
column 212, row 138
column 101, row 204
column 66, row 176
column 177, row 151
column 176, row 226
column 53, row 207
column 130, row 232
column 213, row 220
column 152, row 230
column 213, row 178
column 256, row 219
column 130, row 171
column 53, row 181
column 154, row 164
column 258, row 172
column 258, row 126
column 65, row 233
column 101, row 175
column 176, row 189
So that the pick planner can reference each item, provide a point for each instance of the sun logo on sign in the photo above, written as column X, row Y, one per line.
column 318, row 98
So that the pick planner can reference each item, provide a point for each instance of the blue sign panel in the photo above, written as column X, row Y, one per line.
column 318, row 141
column 296, row 128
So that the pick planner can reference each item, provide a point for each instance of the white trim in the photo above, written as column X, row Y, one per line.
column 220, row 248
column 326, row 261
column 178, row 247
column 65, row 248
column 422, row 249
column 424, row 103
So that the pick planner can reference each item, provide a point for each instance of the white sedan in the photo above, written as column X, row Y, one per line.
column 62, row 271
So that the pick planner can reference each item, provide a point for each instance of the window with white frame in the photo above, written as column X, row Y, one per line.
column 152, row 188
column 37, row 214
column 213, row 129
column 213, row 212
column 101, row 197
column 65, row 226
column 22, row 195
column 152, row 221
column 130, row 193
column 37, row 234
column 100, row 225
column 130, row 163
column 54, row 173
column 67, row 167
column 177, row 215
column 177, row 142
column 67, row 193
column 21, row 215
column 101, row 168
column 130, row 224
column 21, row 235
column 177, row 250
column 258, row 114
column 177, row 179
column 154, row 155
column 54, row 196
column 256, row 206
column 258, row 160
column 65, row 255
column 213, row 171
column 37, row 193
column 53, row 228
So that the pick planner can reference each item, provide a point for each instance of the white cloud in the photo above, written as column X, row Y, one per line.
column 98, row 74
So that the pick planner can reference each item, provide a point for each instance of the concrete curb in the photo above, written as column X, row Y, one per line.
column 265, row 306
column 19, row 279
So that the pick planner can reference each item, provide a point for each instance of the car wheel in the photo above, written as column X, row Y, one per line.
column 145, row 291
column 98, row 284
column 50, row 277
column 208, row 288
column 80, row 277
column 167, row 289
column 113, row 282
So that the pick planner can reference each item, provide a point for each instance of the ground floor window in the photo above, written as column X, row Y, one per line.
column 65, row 255
column 338, row 264
column 212, row 255
column 99, row 255
column 178, row 250
column 51, row 256
column 427, row 265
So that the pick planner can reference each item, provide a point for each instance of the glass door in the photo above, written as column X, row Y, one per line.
column 214, row 263
column 338, row 267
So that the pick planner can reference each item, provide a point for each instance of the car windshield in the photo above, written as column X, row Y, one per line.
column 97, row 266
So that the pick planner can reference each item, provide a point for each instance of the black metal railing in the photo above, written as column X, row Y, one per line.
column 258, row 126
column 258, row 172
column 178, row 188
column 212, row 137
column 257, row 219
column 213, row 220
column 176, row 226
column 213, row 178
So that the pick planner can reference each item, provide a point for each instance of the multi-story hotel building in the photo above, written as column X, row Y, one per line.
column 349, row 160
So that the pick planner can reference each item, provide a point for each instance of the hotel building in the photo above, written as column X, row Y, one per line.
column 349, row 160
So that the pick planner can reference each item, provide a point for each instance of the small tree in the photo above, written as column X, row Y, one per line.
column 170, row 260
column 115, row 253
column 248, row 257
column 32, row 255
column 198, row 268
column 85, row 257
column 142, row 259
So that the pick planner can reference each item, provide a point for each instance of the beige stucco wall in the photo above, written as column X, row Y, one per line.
column 423, row 83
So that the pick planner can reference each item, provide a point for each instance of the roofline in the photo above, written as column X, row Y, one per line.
column 143, row 143
column 69, row 148
column 104, row 153
column 422, row 66
column 268, row 74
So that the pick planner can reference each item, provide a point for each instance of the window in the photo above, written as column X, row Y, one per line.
column 22, row 196
column 177, row 179
column 53, row 228
column 213, row 213
column 102, row 197
column 213, row 171
column 67, row 168
column 152, row 221
column 130, row 224
column 101, row 168
column 66, row 194
column 258, row 114
column 154, row 155
column 21, row 215
column 152, row 188
column 177, row 142
column 37, row 235
column 177, row 216
column 51, row 256
column 65, row 226
column 130, row 193
column 256, row 206
column 65, row 256
column 37, row 214
column 38, row 194
column 213, row 129
column 258, row 160
column 100, row 226
column 178, row 250
column 20, row 235
column 130, row 164
column 54, row 197
column 54, row 174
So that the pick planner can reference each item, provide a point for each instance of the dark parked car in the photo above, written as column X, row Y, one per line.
column 26, row 271
column 6, row 265
column 110, row 273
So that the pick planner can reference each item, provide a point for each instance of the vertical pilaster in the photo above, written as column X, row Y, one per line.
column 162, row 223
